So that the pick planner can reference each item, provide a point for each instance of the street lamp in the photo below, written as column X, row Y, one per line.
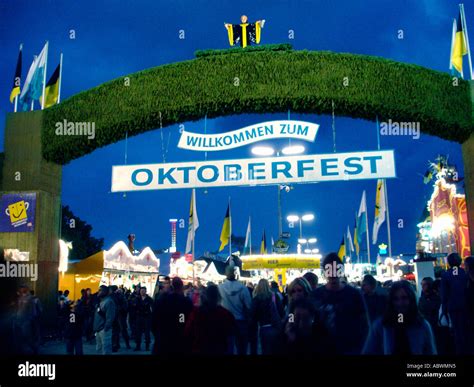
column 293, row 150
column 263, row 151
column 269, row 151
column 296, row 218
column 312, row 240
column 302, row 241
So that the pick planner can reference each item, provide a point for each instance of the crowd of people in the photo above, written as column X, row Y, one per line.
column 235, row 318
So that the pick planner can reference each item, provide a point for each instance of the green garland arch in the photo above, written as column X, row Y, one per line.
column 262, row 79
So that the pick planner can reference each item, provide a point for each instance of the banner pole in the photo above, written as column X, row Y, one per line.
column 463, row 21
column 44, row 75
column 60, row 77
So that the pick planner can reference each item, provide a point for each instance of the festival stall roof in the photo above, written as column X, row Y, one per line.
column 88, row 272
column 93, row 264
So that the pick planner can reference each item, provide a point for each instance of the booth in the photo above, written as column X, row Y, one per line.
column 117, row 266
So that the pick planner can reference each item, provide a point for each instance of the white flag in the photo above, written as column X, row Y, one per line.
column 380, row 209
column 349, row 245
column 193, row 223
column 248, row 239
column 35, row 78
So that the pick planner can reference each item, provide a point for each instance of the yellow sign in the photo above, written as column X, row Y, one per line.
column 295, row 261
column 17, row 212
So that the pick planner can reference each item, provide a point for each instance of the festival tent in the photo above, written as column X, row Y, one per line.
column 82, row 275
column 117, row 266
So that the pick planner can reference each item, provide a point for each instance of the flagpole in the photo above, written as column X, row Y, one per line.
column 44, row 75
column 250, row 236
column 60, row 77
column 385, row 196
column 356, row 231
column 463, row 21
column 367, row 230
column 193, row 198
column 230, row 232
column 16, row 97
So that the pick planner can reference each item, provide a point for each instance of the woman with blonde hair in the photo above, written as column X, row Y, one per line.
column 265, row 320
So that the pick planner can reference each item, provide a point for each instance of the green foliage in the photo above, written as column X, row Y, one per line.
column 261, row 80
column 83, row 243
column 238, row 49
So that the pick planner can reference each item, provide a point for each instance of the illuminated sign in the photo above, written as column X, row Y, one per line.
column 252, row 172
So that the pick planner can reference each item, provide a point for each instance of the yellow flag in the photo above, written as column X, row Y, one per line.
column 225, row 233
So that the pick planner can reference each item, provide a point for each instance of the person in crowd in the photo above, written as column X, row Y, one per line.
column 312, row 279
column 62, row 313
column 132, row 310
column 298, row 289
column 429, row 303
column 38, row 312
column 116, row 324
column 302, row 334
column 103, row 321
column 276, row 290
column 402, row 330
column 122, row 316
column 265, row 319
column 341, row 309
column 469, row 268
column 453, row 286
column 66, row 299
column 236, row 299
column 88, row 314
column 210, row 327
column 144, row 305
column 374, row 301
column 25, row 314
column 169, row 317
column 75, row 328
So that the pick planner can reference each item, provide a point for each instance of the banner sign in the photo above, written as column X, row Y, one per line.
column 17, row 212
column 255, row 171
column 292, row 261
column 269, row 130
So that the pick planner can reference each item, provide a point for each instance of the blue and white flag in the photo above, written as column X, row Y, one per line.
column 33, row 87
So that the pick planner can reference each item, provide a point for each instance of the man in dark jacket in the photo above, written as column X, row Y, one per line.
column 170, row 314
column 453, row 286
column 143, row 310
column 103, row 321
column 375, row 302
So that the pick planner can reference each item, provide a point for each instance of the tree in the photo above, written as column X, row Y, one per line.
column 77, row 231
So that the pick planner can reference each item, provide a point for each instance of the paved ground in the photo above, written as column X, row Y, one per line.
column 56, row 347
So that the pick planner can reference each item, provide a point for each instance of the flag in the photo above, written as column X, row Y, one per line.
column 33, row 86
column 225, row 233
column 193, row 223
column 458, row 47
column 263, row 244
column 17, row 79
column 248, row 239
column 380, row 209
column 350, row 246
column 356, row 239
column 52, row 89
column 342, row 250
column 361, row 218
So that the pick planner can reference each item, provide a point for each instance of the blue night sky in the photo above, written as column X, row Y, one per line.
column 115, row 38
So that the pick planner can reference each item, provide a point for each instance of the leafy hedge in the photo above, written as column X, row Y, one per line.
column 237, row 49
column 269, row 80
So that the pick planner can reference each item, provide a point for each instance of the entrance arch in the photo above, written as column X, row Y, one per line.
column 262, row 79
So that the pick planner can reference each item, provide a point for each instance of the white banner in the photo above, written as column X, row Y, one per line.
column 300, row 130
column 255, row 171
